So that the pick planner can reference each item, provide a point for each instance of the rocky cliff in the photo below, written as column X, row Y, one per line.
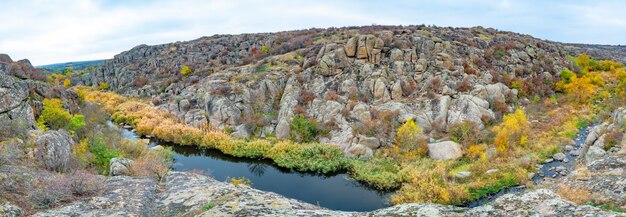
column 358, row 83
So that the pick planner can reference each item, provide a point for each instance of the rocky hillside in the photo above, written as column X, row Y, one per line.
column 357, row 83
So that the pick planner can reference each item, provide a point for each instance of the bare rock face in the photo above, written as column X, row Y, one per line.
column 10, row 210
column 188, row 194
column 447, row 150
column 54, row 148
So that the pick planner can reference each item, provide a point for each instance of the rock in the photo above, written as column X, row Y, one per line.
column 157, row 147
column 351, row 46
column 184, row 105
column 469, row 108
column 360, row 150
column 549, row 160
column 119, row 166
column 54, row 148
column 396, row 91
column 371, row 142
column 491, row 171
column 282, row 129
column 540, row 202
column 569, row 148
column 8, row 209
column 397, row 55
column 447, row 150
column 380, row 90
column 594, row 153
column 559, row 156
column 123, row 196
column 241, row 131
column 574, row 152
column 559, row 169
column 463, row 174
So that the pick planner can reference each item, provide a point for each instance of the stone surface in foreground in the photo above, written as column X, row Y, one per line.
column 188, row 194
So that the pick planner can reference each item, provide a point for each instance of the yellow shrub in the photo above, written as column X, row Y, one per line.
column 103, row 86
column 427, row 182
column 67, row 83
column 512, row 131
column 408, row 144
column 185, row 71
column 477, row 152
column 581, row 89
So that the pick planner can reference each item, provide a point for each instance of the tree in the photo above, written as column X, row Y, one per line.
column 53, row 116
column 512, row 131
column 408, row 143
column 185, row 71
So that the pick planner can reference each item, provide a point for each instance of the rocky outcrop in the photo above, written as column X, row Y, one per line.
column 123, row 196
column 54, row 149
column 13, row 101
column 188, row 194
column 438, row 76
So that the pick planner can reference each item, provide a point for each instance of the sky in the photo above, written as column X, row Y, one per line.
column 53, row 31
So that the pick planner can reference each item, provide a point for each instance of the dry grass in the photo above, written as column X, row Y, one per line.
column 575, row 194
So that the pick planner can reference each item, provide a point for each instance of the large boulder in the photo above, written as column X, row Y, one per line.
column 54, row 149
column 119, row 166
column 447, row 150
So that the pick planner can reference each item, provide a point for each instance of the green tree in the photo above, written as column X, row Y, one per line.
column 53, row 116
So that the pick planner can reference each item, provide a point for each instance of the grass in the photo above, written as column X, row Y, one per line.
column 306, row 157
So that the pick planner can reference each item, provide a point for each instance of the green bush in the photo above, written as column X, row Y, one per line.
column 303, row 129
column 53, row 116
column 102, row 154
column 77, row 122
column 314, row 157
column 382, row 173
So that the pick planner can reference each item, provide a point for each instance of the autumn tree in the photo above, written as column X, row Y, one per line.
column 580, row 89
column 408, row 143
column 512, row 131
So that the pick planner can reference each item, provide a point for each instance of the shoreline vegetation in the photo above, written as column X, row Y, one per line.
column 500, row 156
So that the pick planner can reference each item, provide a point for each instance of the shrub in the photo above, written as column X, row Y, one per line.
column 53, row 116
column 379, row 172
column 155, row 164
column 580, row 89
column 103, row 86
column 67, row 82
column 306, row 97
column 466, row 133
column 185, row 71
column 314, row 157
column 408, row 144
column 77, row 122
column 512, row 131
column 101, row 153
column 239, row 181
column 476, row 152
column 612, row 139
column 83, row 183
column 303, row 129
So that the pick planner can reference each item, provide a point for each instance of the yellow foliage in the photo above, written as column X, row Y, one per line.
column 408, row 144
column 512, row 131
column 477, row 152
column 67, row 82
column 103, row 86
column 428, row 183
column 185, row 71
column 581, row 89
column 240, row 181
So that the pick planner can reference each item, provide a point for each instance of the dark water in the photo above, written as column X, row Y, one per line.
column 332, row 191
column 546, row 170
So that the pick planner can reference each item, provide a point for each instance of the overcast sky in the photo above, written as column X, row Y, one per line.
column 52, row 31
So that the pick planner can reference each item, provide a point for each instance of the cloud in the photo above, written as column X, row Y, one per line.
column 47, row 31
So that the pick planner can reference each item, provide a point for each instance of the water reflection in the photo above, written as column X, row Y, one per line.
column 334, row 191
